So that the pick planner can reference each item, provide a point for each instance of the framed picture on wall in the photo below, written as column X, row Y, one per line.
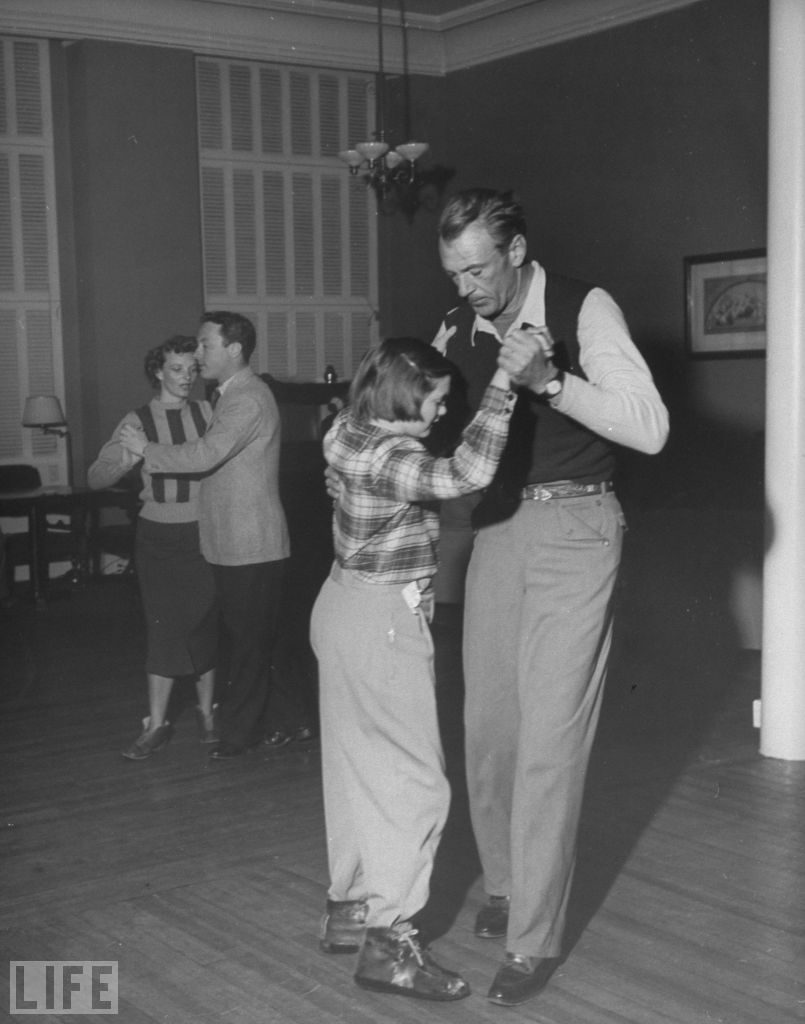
column 725, row 295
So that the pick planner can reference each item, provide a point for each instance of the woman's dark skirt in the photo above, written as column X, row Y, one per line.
column 178, row 595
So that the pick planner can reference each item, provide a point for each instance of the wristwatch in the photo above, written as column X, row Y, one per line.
column 554, row 387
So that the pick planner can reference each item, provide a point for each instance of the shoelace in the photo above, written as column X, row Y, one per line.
column 357, row 912
column 408, row 935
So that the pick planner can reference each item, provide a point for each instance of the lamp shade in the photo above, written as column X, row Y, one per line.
column 412, row 150
column 372, row 150
column 351, row 157
column 393, row 159
column 43, row 411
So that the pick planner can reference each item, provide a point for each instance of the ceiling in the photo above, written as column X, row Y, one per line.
column 432, row 7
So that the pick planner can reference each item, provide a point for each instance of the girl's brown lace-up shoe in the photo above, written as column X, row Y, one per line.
column 393, row 961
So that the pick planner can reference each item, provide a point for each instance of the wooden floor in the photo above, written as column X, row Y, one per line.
column 206, row 881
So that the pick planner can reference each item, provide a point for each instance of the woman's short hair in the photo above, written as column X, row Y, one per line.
column 498, row 212
column 155, row 357
column 393, row 380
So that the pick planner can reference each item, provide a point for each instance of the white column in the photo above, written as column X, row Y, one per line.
column 782, row 730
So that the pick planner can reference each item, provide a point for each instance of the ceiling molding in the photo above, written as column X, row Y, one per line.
column 329, row 34
column 488, row 30
column 473, row 36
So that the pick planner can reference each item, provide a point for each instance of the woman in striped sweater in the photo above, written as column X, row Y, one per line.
column 176, row 583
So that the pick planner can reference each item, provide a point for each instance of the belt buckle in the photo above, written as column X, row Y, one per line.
column 543, row 493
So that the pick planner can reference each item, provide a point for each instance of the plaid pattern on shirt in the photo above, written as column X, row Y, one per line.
column 381, row 528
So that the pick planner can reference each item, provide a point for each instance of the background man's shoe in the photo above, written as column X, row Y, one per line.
column 493, row 919
column 148, row 742
column 225, row 750
column 520, row 978
column 391, row 960
column 343, row 926
column 278, row 738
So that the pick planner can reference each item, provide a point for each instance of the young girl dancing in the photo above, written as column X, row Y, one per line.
column 386, row 796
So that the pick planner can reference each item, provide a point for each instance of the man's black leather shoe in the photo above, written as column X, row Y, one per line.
column 278, row 738
column 493, row 919
column 520, row 978
column 304, row 734
column 225, row 750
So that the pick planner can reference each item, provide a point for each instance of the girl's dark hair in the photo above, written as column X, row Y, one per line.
column 155, row 357
column 393, row 380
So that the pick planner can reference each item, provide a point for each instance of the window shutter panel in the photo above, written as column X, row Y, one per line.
column 303, row 234
column 240, row 101
column 6, row 242
column 359, row 282
column 274, row 233
column 358, row 113
column 245, row 232
column 329, row 116
column 271, row 110
column 210, row 115
column 332, row 240
column 34, row 219
column 301, row 144
column 277, row 330
column 306, row 360
column 289, row 238
column 40, row 352
column 213, row 220
column 28, row 88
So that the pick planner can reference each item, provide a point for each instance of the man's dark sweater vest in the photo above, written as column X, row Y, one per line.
column 544, row 445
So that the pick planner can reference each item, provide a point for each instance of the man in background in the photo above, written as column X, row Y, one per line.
column 242, row 525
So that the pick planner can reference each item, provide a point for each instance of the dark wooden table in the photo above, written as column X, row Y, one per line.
column 81, row 505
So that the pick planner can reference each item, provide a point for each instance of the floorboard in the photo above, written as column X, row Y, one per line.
column 206, row 882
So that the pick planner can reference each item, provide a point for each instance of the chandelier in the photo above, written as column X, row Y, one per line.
column 393, row 174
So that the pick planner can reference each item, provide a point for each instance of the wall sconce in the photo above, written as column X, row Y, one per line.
column 44, row 412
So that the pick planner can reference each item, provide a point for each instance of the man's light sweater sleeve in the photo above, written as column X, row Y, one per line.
column 619, row 400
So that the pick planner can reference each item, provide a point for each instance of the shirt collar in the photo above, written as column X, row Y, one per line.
column 532, row 311
column 228, row 381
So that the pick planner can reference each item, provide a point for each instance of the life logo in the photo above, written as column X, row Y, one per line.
column 63, row 986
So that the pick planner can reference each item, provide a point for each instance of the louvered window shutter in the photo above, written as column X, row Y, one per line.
column 30, row 335
column 289, row 236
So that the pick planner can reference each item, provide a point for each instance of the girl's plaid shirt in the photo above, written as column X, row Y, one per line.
column 382, row 528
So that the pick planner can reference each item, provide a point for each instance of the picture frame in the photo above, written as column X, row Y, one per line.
column 725, row 298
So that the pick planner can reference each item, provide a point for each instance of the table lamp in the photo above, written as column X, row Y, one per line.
column 44, row 412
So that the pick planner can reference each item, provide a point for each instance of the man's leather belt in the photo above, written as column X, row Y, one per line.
column 562, row 489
